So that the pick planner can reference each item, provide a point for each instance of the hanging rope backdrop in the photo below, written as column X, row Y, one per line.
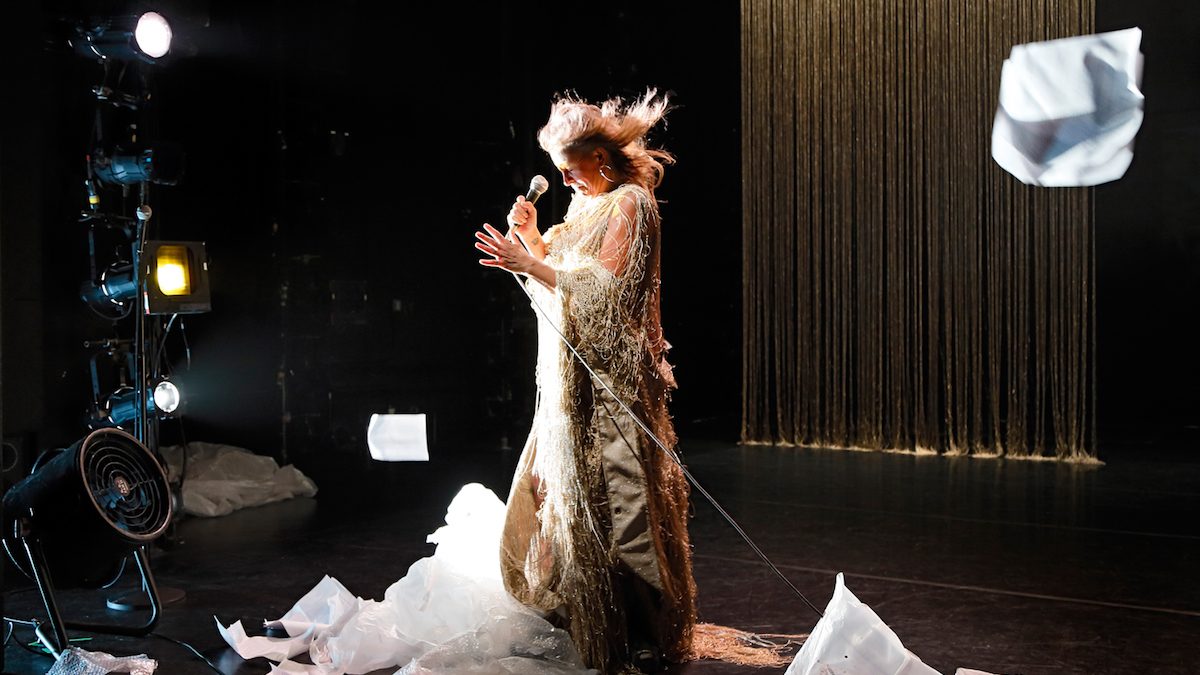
column 901, row 290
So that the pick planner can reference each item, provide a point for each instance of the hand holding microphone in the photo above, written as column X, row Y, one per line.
column 523, row 216
column 521, row 250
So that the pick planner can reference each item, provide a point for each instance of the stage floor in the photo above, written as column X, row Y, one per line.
column 1002, row 566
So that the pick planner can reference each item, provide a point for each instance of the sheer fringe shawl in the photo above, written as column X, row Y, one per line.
column 612, row 317
column 731, row 645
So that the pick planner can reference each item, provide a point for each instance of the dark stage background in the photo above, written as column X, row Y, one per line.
column 347, row 151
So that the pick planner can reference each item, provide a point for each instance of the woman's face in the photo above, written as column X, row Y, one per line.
column 581, row 171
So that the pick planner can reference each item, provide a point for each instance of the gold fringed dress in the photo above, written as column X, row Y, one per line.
column 596, row 529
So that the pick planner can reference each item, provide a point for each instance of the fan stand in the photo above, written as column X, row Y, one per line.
column 41, row 576
column 139, row 601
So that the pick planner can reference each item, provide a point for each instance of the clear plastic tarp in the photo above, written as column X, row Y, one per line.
column 222, row 478
column 449, row 614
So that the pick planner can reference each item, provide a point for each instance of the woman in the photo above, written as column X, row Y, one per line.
column 595, row 530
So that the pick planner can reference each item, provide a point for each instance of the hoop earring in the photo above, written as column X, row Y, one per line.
column 604, row 175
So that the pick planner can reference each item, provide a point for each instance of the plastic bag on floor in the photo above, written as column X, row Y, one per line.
column 852, row 640
column 76, row 661
column 222, row 478
column 449, row 615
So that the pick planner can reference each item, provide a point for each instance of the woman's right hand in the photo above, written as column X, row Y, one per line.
column 523, row 217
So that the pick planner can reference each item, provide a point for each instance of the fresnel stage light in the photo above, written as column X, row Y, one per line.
column 120, row 408
column 145, row 37
column 161, row 163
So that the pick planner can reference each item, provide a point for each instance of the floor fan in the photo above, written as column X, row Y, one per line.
column 79, row 516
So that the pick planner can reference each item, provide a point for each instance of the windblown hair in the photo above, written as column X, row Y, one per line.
column 578, row 127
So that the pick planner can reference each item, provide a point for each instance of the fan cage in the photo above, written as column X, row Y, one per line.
column 126, row 485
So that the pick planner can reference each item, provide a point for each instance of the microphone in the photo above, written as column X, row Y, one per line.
column 536, row 187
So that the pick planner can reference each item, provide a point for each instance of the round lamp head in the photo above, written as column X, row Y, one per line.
column 166, row 397
column 153, row 35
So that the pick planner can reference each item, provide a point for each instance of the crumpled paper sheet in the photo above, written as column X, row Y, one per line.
column 222, row 478
column 450, row 614
column 327, row 607
column 76, row 661
column 852, row 640
column 1069, row 109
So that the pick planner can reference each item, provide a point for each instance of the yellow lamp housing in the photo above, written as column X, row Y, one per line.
column 176, row 277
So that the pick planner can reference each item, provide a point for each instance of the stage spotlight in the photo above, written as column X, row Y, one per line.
column 74, row 520
column 172, row 274
column 177, row 278
column 166, row 397
column 153, row 35
column 111, row 295
column 161, row 163
column 176, row 282
column 146, row 38
column 120, row 407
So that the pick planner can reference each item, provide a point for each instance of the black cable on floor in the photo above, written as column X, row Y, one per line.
column 190, row 648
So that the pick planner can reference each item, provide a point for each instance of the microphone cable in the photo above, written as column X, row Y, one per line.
column 657, row 441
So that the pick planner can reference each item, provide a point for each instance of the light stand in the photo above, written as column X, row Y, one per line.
column 149, row 597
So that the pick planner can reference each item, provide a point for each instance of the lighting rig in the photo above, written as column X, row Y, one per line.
column 133, row 275
column 107, row 497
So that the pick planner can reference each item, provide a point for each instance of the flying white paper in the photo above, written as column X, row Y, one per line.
column 397, row 438
column 1069, row 109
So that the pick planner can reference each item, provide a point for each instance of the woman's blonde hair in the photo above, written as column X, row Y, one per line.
column 578, row 127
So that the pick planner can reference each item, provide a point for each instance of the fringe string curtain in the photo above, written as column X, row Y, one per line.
column 901, row 290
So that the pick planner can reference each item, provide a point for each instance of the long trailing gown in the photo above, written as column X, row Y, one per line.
column 596, row 523
column 593, row 536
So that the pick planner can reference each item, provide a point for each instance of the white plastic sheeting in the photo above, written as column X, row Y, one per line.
column 851, row 639
column 1069, row 109
column 221, row 478
column 449, row 614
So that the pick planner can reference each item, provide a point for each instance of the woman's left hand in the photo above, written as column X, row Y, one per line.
column 505, row 253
